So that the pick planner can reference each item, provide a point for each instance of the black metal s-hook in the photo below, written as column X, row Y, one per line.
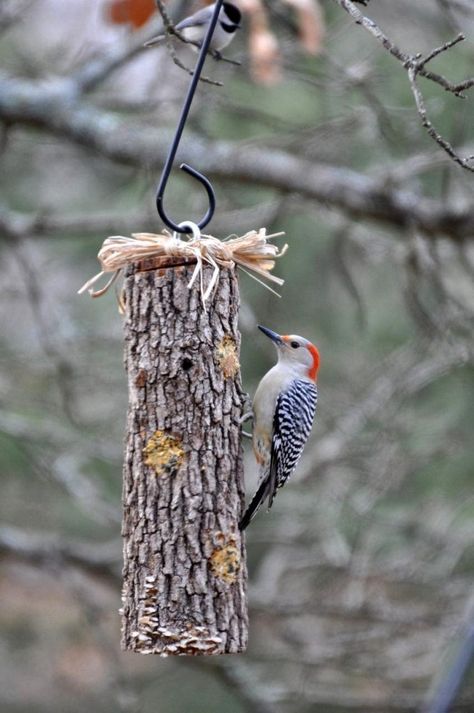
column 177, row 138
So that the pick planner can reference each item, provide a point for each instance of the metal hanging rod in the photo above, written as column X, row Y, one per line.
column 177, row 138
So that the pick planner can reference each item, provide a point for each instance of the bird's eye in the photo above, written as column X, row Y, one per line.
column 294, row 345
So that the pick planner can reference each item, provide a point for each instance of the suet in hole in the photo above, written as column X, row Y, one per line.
column 163, row 453
column 225, row 559
column 228, row 357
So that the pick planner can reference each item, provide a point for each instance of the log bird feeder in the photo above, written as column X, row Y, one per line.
column 184, row 574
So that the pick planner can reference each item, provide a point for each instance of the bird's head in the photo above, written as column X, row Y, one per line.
column 295, row 351
column 232, row 16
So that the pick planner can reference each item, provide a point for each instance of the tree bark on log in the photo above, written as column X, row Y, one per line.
column 184, row 575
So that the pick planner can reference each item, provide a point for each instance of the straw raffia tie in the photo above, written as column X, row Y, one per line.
column 252, row 253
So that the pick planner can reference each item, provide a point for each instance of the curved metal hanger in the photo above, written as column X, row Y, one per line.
column 177, row 138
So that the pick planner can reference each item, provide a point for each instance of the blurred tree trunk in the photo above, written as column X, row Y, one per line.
column 184, row 589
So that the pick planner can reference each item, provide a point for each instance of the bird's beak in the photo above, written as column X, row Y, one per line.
column 273, row 335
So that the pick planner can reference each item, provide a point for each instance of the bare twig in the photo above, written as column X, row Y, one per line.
column 438, row 50
column 416, row 65
column 421, row 108
column 203, row 78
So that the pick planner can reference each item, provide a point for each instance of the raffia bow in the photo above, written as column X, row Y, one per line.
column 252, row 253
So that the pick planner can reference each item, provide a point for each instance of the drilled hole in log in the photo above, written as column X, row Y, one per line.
column 186, row 364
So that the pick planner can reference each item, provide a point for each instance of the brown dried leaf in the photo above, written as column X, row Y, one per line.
column 133, row 12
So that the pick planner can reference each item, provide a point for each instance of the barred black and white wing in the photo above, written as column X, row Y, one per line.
column 294, row 415
column 292, row 422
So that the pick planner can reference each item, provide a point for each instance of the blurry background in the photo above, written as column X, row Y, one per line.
column 360, row 576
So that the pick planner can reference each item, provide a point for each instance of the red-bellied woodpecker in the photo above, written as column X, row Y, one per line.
column 283, row 411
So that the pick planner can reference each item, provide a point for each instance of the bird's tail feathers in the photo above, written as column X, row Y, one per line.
column 256, row 503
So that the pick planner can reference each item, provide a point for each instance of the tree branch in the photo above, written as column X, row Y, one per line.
column 57, row 109
column 416, row 65
column 102, row 559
